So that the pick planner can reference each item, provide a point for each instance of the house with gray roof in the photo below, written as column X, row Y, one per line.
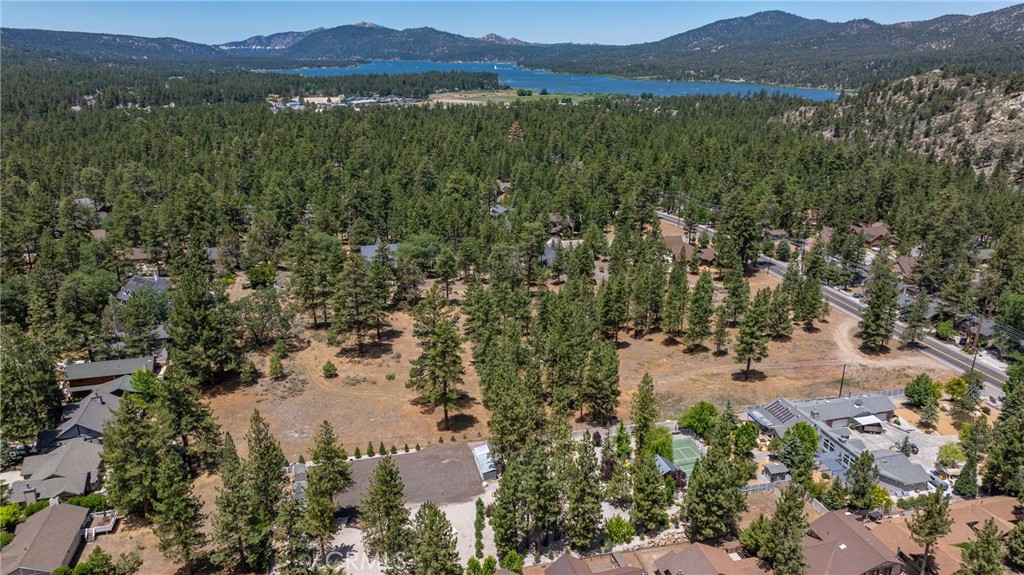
column 498, row 211
column 369, row 252
column 664, row 466
column 135, row 282
column 46, row 541
column 485, row 464
column 838, row 447
column 84, row 419
column 79, row 375
column 897, row 473
column 71, row 469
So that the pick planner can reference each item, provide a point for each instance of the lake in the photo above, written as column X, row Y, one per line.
column 517, row 77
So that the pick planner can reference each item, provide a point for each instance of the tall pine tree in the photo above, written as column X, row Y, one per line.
column 437, row 373
column 177, row 512
column 383, row 515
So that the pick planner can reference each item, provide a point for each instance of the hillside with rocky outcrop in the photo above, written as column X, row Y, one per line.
column 975, row 119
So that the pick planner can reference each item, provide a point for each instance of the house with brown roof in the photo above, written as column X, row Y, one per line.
column 701, row 559
column 905, row 265
column 45, row 542
column 569, row 565
column 681, row 249
column 776, row 235
column 838, row 544
column 967, row 515
column 873, row 234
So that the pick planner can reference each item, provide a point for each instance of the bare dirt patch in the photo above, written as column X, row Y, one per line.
column 808, row 365
column 367, row 402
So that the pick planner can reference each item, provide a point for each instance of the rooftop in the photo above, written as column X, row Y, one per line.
column 43, row 541
column 92, row 413
column 701, row 559
column 112, row 368
column 135, row 282
column 840, row 544
column 369, row 252
column 74, row 457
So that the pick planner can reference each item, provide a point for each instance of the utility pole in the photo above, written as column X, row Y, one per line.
column 842, row 380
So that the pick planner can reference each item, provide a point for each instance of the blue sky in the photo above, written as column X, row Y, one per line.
column 606, row 22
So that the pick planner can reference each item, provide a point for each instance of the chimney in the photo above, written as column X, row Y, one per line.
column 815, row 415
column 30, row 495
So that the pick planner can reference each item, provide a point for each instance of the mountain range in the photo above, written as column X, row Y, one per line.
column 773, row 46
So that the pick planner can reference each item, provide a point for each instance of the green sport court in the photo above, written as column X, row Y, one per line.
column 685, row 453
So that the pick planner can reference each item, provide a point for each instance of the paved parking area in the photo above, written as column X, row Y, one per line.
column 927, row 444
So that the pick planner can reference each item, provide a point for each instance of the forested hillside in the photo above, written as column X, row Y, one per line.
column 957, row 114
column 217, row 175
column 767, row 47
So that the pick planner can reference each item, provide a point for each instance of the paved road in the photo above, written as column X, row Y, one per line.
column 944, row 352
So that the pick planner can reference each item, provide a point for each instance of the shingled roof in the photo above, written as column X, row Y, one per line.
column 840, row 544
column 45, row 541
column 111, row 368
column 86, row 419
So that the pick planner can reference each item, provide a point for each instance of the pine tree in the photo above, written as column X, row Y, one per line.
column 930, row 522
column 293, row 553
column 862, row 476
column 510, row 515
column 130, row 449
column 434, row 548
column 881, row 294
column 721, row 335
column 676, row 299
column 355, row 311
column 380, row 279
column 177, row 512
column 479, row 522
column 1015, row 546
column 917, row 320
column 229, row 546
column 649, row 504
column 543, row 499
column 967, row 483
column 437, row 372
column 788, row 526
column 383, row 515
column 713, row 500
column 31, row 395
column 752, row 340
column 612, row 305
column 583, row 497
column 203, row 328
column 138, row 319
column 644, row 412
column 984, row 556
column 737, row 295
column 183, row 417
column 808, row 305
column 835, row 496
column 601, row 381
column 779, row 322
column 698, row 324
column 264, row 479
column 330, row 475
column 758, row 537
column 1006, row 454
column 799, row 446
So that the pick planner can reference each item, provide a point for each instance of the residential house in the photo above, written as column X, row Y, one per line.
column 137, row 256
column 984, row 256
column 776, row 235
column 825, row 236
column 895, row 470
column 707, row 256
column 79, row 375
column 84, row 419
column 569, row 565
column 905, row 265
column 99, row 234
column 154, row 282
column 832, row 419
column 45, row 542
column 71, row 469
column 300, row 481
column 369, row 252
column 681, row 249
column 874, row 234
column 701, row 559
column 555, row 224
column 498, row 211
column 967, row 517
column 664, row 465
column 838, row 544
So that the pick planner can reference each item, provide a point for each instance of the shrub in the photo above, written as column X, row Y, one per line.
column 94, row 501
column 330, row 371
column 357, row 454
column 6, row 538
column 369, row 449
column 417, row 447
column 950, row 454
column 390, row 376
column 380, row 448
column 276, row 368
column 440, row 439
column 262, row 275
column 513, row 561
column 922, row 391
column 34, row 508
column 10, row 515
column 453, row 439
column 700, row 418
column 597, row 439
column 248, row 373
column 620, row 530
column 394, row 449
column 944, row 330
column 406, row 448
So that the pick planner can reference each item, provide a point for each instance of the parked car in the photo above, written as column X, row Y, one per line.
column 858, row 295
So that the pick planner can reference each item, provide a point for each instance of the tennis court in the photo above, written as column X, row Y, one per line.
column 685, row 453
